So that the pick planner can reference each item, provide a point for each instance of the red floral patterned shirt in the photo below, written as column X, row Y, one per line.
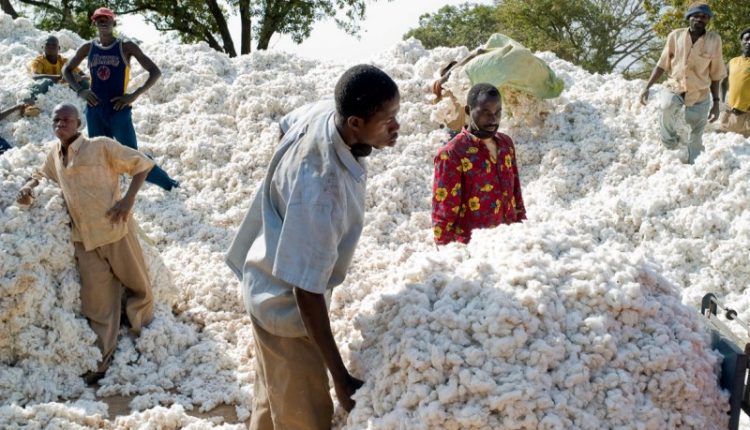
column 472, row 190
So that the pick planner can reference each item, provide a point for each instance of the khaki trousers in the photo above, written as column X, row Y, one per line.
column 104, row 271
column 291, row 389
column 737, row 123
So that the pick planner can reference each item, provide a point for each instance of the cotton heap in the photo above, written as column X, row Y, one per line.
column 584, row 315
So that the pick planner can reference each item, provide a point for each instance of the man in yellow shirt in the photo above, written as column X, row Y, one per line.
column 736, row 117
column 693, row 58
column 107, row 251
column 46, row 70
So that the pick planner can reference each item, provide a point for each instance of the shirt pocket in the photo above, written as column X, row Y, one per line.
column 89, row 175
column 701, row 62
column 94, row 183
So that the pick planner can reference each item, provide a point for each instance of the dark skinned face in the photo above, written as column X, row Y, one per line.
column 381, row 129
column 51, row 49
column 485, row 117
column 745, row 42
column 65, row 123
column 105, row 26
column 698, row 22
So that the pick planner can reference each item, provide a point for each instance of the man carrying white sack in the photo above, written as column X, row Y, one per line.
column 106, row 248
column 693, row 58
column 736, row 117
column 297, row 241
column 504, row 63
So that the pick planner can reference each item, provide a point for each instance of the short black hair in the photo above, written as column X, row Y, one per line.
column 480, row 91
column 744, row 32
column 362, row 90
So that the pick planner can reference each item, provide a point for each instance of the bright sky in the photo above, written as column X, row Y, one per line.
column 385, row 24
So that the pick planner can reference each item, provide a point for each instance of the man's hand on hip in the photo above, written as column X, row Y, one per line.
column 120, row 211
column 89, row 96
column 123, row 101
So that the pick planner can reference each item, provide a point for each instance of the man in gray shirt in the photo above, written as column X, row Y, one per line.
column 297, row 241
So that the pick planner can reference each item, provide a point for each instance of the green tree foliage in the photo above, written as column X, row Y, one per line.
column 730, row 18
column 465, row 25
column 201, row 20
column 296, row 17
column 192, row 20
column 54, row 15
column 599, row 35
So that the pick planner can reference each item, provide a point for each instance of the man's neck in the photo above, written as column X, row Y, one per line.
column 51, row 58
column 346, row 134
column 107, row 40
column 491, row 146
column 67, row 142
column 695, row 35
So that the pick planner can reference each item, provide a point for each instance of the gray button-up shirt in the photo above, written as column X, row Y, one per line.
column 304, row 222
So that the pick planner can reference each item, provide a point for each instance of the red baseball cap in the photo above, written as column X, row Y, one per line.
column 103, row 11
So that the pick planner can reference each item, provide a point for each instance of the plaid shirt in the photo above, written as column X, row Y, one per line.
column 472, row 190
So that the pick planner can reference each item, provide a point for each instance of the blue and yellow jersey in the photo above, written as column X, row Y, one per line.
column 110, row 72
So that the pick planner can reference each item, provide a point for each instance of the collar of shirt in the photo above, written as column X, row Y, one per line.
column 73, row 148
column 344, row 152
column 477, row 141
column 689, row 39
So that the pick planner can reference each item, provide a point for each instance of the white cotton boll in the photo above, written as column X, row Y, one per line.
column 572, row 319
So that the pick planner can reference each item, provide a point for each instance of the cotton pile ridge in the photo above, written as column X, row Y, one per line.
column 584, row 316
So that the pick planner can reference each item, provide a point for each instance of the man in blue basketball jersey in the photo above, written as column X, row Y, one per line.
column 109, row 111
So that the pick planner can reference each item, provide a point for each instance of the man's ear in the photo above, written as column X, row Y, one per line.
column 354, row 122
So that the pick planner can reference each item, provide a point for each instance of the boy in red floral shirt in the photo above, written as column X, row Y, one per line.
column 476, row 177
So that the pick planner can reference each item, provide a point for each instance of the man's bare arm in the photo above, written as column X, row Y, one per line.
column 19, row 107
column 713, row 115
column 74, row 83
column 121, row 210
column 130, row 49
column 312, row 308
column 655, row 75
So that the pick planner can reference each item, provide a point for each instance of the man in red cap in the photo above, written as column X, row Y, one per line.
column 693, row 58
column 109, row 103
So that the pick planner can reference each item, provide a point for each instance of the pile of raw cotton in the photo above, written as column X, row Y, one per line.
column 581, row 317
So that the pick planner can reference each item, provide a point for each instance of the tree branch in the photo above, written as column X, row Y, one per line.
column 221, row 22
column 8, row 8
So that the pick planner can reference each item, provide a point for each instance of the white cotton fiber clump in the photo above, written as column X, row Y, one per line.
column 45, row 346
column 565, row 334
column 80, row 414
column 570, row 319
column 172, row 418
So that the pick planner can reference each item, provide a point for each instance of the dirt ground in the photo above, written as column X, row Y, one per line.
column 118, row 406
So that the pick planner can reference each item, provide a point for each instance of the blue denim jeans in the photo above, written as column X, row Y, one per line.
column 4, row 145
column 118, row 125
column 40, row 86
column 696, row 117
